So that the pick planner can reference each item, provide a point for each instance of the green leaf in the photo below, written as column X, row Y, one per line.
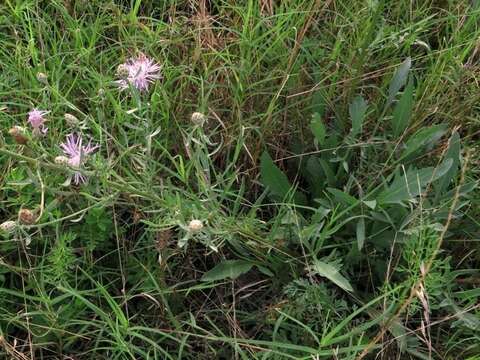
column 315, row 175
column 318, row 128
column 423, row 137
column 276, row 181
column 357, row 111
column 343, row 197
column 411, row 184
column 227, row 269
column 398, row 80
column 403, row 110
column 453, row 152
column 331, row 178
column 370, row 203
column 360, row 233
column 331, row 273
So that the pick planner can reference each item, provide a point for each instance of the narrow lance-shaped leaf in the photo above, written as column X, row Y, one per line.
column 276, row 181
column 409, row 185
column 357, row 111
column 318, row 128
column 453, row 152
column 360, row 233
column 398, row 80
column 331, row 273
column 227, row 269
column 403, row 110
column 343, row 197
column 423, row 137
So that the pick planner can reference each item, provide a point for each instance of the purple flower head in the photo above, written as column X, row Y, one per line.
column 76, row 153
column 138, row 72
column 36, row 118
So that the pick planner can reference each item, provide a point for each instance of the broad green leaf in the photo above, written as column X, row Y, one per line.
column 357, row 111
column 318, row 128
column 331, row 273
column 276, row 181
column 315, row 175
column 331, row 178
column 403, row 110
column 411, row 184
column 360, row 233
column 423, row 137
column 398, row 80
column 227, row 269
column 453, row 152
column 343, row 197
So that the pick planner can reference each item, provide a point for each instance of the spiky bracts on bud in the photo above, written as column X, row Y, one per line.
column 198, row 118
column 27, row 217
column 195, row 225
column 18, row 134
column 8, row 226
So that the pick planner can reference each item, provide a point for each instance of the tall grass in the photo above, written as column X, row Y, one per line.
column 332, row 186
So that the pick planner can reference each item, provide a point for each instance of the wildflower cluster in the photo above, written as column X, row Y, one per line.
column 137, row 72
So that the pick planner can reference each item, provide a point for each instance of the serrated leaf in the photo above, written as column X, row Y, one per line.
column 360, row 231
column 331, row 273
column 411, row 184
column 403, row 110
column 318, row 128
column 227, row 269
column 398, row 80
column 357, row 110
column 276, row 181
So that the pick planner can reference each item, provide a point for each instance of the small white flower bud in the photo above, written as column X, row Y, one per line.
column 198, row 118
column 71, row 120
column 195, row 225
column 8, row 226
column 42, row 77
column 61, row 160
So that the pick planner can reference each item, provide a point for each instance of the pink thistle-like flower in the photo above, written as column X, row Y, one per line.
column 138, row 72
column 36, row 118
column 76, row 153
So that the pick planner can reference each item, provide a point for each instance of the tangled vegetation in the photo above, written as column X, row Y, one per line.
column 239, row 179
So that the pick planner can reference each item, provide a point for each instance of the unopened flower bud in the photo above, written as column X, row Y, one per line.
column 61, row 160
column 8, row 226
column 26, row 216
column 198, row 118
column 71, row 120
column 122, row 71
column 19, row 135
column 195, row 225
column 42, row 77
